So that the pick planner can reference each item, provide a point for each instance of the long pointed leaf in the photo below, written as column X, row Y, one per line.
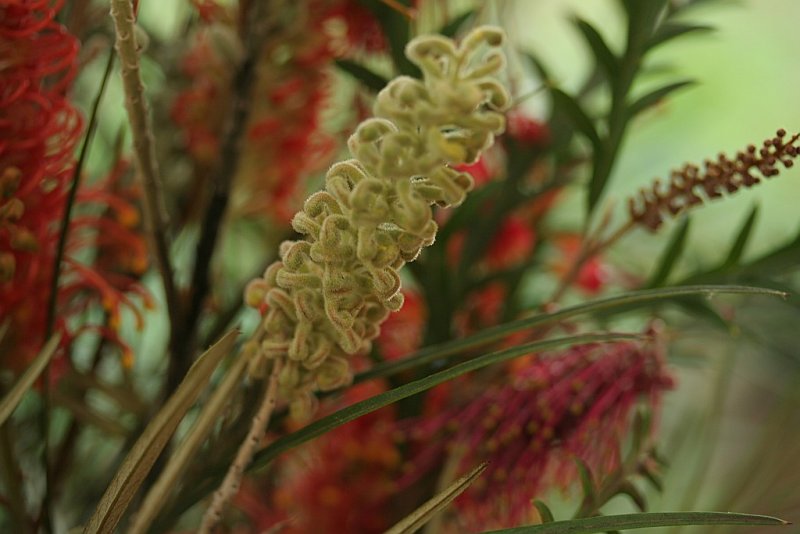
column 671, row 255
column 633, row 521
column 25, row 382
column 454, row 26
column 672, row 30
column 579, row 118
column 656, row 96
column 354, row 411
column 419, row 517
column 368, row 78
column 185, row 452
column 602, row 53
column 496, row 333
column 145, row 451
column 742, row 238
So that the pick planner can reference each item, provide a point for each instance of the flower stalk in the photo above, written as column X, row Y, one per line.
column 325, row 300
column 156, row 219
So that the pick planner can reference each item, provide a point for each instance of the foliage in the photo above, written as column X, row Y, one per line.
column 437, row 339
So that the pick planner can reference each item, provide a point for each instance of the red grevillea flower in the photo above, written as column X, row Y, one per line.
column 592, row 276
column 571, row 404
column 39, row 129
column 526, row 131
column 283, row 141
column 401, row 334
column 341, row 482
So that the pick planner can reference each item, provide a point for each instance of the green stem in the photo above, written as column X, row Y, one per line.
column 53, row 296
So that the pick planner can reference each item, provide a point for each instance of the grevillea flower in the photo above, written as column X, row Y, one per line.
column 39, row 129
column 526, row 131
column 284, row 141
column 343, row 482
column 592, row 276
column 330, row 292
column 560, row 406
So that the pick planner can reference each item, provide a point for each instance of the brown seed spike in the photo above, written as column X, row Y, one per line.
column 720, row 177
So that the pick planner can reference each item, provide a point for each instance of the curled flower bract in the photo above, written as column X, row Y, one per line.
column 326, row 298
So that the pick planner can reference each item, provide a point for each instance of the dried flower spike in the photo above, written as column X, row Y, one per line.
column 690, row 185
column 326, row 298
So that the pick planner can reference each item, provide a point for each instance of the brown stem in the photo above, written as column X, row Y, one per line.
column 233, row 478
column 221, row 181
column 156, row 219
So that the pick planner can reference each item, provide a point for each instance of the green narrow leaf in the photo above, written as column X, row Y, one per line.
column 419, row 517
column 737, row 249
column 397, row 30
column 655, row 96
column 672, row 30
column 671, row 255
column 699, row 307
column 652, row 478
column 145, row 451
column 627, row 301
column 579, row 118
column 643, row 15
column 354, row 411
column 544, row 511
column 602, row 53
column 627, row 488
column 455, row 25
column 26, row 381
column 186, row 452
column 541, row 70
column 587, row 480
column 649, row 520
column 368, row 78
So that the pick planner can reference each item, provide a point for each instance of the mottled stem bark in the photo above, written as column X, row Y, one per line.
column 155, row 214
column 233, row 479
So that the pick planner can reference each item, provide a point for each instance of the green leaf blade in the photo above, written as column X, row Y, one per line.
column 356, row 410
column 489, row 335
column 578, row 116
column 28, row 378
column 742, row 238
column 369, row 79
column 646, row 520
column 457, row 24
column 602, row 53
column 673, row 30
column 654, row 97
column 672, row 253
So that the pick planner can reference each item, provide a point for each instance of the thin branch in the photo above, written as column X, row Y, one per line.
column 52, row 302
column 156, row 220
column 233, row 478
column 243, row 81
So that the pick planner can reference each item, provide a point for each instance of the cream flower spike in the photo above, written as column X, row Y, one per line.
column 328, row 295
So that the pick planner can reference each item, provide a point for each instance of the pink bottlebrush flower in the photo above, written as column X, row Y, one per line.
column 571, row 404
